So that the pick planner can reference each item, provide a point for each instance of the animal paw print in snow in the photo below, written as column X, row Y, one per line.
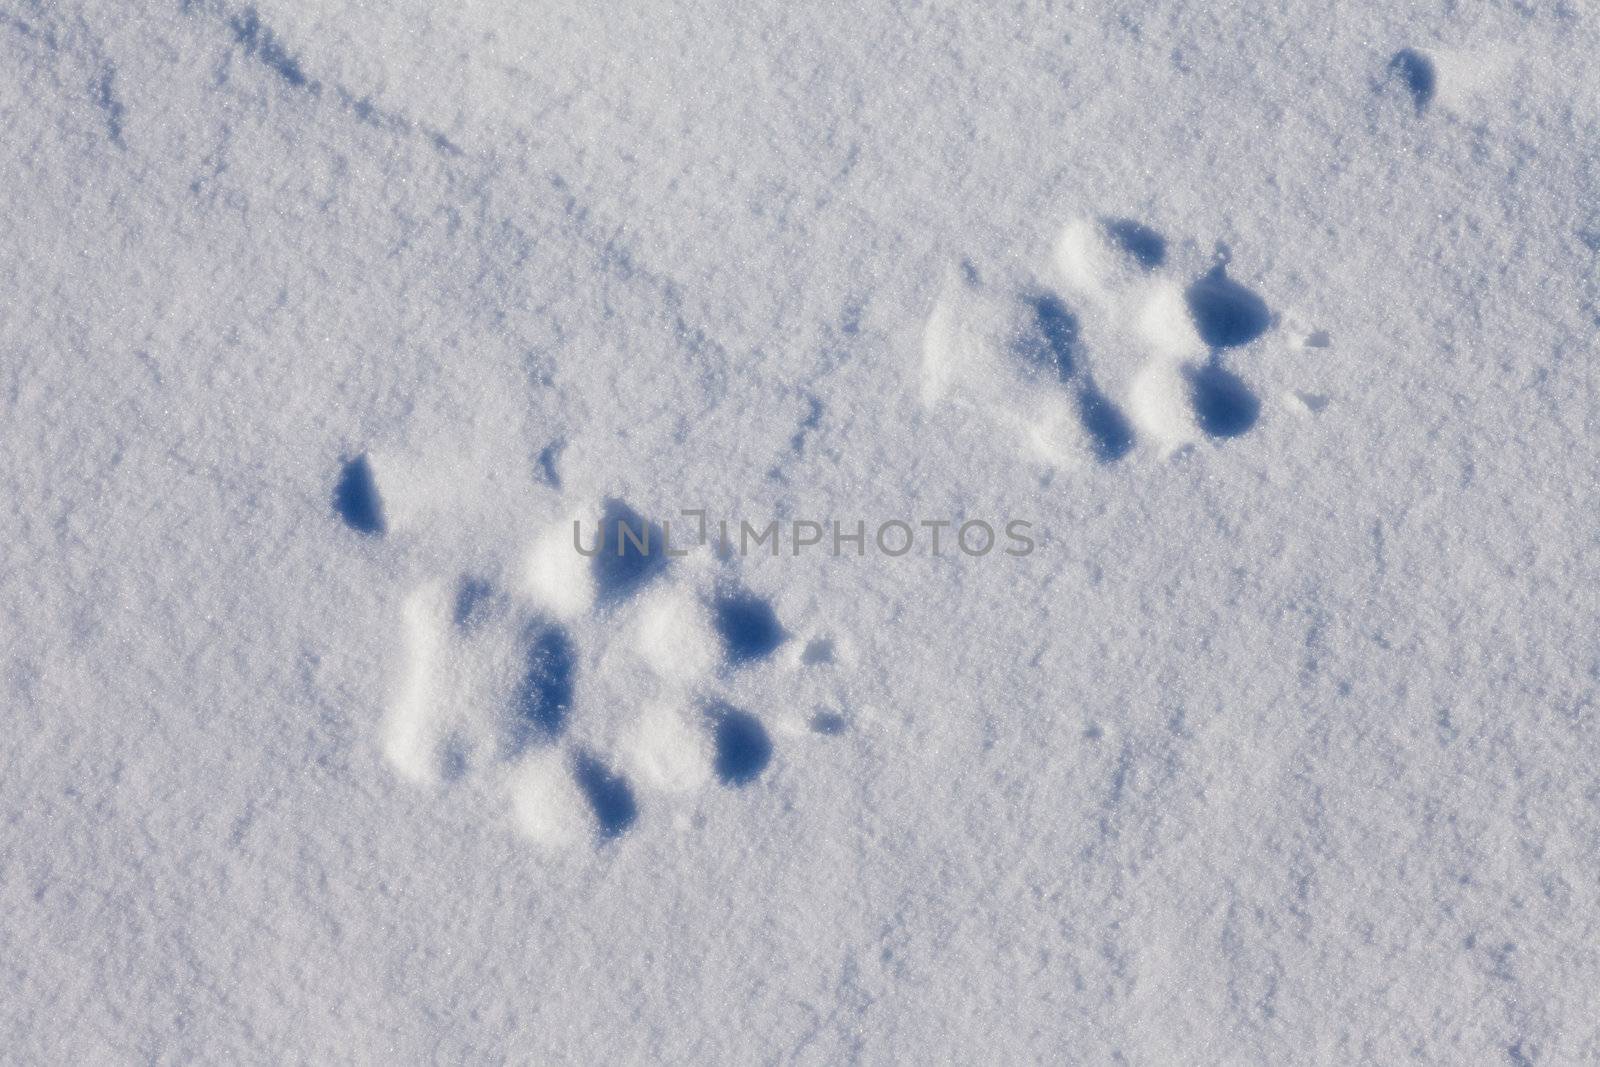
column 1111, row 352
column 632, row 639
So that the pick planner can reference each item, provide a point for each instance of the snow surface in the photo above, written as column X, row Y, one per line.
column 321, row 322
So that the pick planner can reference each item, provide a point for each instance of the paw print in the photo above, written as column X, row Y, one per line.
column 1110, row 352
column 587, row 680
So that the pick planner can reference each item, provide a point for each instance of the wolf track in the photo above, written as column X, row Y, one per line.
column 1109, row 352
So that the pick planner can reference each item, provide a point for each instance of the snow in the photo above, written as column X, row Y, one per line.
column 323, row 323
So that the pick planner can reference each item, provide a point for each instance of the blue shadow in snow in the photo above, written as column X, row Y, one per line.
column 1107, row 427
column 615, row 809
column 748, row 626
column 1225, row 312
column 544, row 695
column 473, row 599
column 1223, row 405
column 743, row 748
column 356, row 500
column 830, row 723
column 1147, row 247
column 1109, row 432
column 1059, row 328
column 633, row 550
column 260, row 43
column 1415, row 72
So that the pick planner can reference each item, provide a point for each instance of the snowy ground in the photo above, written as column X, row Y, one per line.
column 321, row 322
